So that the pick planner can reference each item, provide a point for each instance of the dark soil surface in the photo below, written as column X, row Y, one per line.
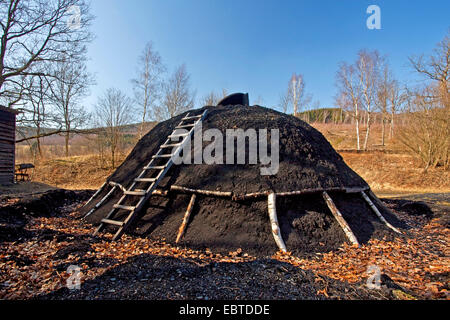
column 158, row 278
column 15, row 216
column 423, row 206
column 307, row 225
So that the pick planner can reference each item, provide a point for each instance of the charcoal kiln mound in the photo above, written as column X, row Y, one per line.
column 312, row 203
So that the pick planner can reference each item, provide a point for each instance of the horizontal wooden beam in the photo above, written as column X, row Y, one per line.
column 204, row 192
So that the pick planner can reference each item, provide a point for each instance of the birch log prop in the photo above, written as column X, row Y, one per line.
column 186, row 218
column 95, row 194
column 276, row 231
column 377, row 212
column 379, row 202
column 203, row 192
column 115, row 184
column 340, row 219
column 100, row 202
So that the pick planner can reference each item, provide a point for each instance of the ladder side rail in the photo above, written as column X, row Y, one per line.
column 154, row 184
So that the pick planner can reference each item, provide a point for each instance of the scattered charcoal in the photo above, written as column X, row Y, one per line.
column 77, row 248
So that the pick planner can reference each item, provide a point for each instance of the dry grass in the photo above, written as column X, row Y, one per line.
column 79, row 172
column 388, row 170
column 397, row 173
column 385, row 173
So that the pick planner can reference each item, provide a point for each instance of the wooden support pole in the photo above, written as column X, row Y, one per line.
column 100, row 202
column 115, row 184
column 204, row 192
column 307, row 191
column 377, row 212
column 276, row 231
column 248, row 196
column 95, row 194
column 379, row 202
column 183, row 226
column 340, row 219
column 294, row 193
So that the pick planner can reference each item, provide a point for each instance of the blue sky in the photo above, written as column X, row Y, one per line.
column 255, row 46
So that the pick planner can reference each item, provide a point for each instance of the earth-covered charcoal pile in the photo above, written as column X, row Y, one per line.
column 235, row 214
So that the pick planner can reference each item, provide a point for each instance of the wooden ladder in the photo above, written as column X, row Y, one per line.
column 153, row 167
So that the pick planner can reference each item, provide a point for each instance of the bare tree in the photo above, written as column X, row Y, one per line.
column 284, row 102
column 148, row 83
column 396, row 99
column 177, row 95
column 69, row 85
column 384, row 96
column 367, row 67
column 357, row 84
column 37, row 96
column 436, row 68
column 36, row 117
column 259, row 101
column 427, row 134
column 34, row 33
column 113, row 110
column 211, row 99
column 295, row 96
column 349, row 96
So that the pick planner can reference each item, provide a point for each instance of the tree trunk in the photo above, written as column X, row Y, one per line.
column 113, row 157
column 66, row 137
column 367, row 131
column 141, row 130
column 382, row 131
column 38, row 141
column 391, row 132
column 357, row 129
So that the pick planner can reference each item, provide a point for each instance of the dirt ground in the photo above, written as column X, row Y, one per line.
column 24, row 188
column 38, row 246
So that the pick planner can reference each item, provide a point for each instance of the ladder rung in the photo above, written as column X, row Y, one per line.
column 109, row 221
column 135, row 193
column 193, row 117
column 170, row 145
column 179, row 135
column 185, row 126
column 163, row 156
column 145, row 179
column 119, row 206
column 155, row 167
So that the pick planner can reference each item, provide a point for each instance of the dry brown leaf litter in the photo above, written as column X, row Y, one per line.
column 29, row 268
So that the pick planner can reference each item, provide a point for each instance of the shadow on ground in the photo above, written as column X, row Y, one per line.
column 156, row 277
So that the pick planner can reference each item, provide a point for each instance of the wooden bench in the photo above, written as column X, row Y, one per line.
column 21, row 172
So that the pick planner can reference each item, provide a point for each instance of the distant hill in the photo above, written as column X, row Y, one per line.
column 129, row 129
column 324, row 115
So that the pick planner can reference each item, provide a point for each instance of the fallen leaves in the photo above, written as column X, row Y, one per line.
column 419, row 263
column 36, row 271
column 410, row 262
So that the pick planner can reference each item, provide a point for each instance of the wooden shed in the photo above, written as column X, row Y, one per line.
column 7, row 144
